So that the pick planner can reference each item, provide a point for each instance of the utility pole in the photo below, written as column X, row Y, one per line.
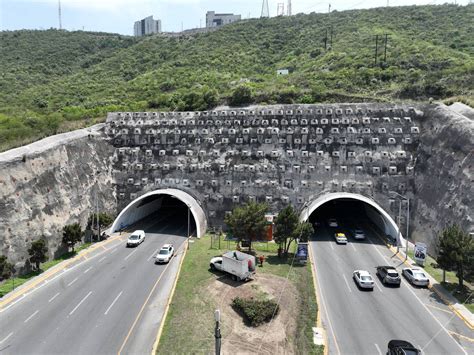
column 217, row 331
column 376, row 47
column 326, row 40
column 385, row 50
column 331, row 37
column 265, row 9
column 289, row 8
column 329, row 10
column 59, row 13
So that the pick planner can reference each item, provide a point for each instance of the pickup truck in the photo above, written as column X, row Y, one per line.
column 239, row 265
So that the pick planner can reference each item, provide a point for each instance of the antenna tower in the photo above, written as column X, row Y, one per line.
column 280, row 9
column 289, row 8
column 59, row 14
column 265, row 9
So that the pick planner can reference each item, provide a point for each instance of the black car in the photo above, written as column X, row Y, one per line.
column 389, row 275
column 402, row 347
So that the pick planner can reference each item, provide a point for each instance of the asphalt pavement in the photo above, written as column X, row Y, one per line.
column 363, row 322
column 111, row 302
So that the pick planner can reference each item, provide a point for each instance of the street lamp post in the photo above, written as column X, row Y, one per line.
column 217, row 331
column 407, row 219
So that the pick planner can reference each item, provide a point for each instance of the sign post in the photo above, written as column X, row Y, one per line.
column 302, row 253
column 420, row 253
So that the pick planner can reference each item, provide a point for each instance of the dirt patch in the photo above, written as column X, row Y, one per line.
column 269, row 338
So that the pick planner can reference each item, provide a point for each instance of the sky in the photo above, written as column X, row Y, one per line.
column 118, row 16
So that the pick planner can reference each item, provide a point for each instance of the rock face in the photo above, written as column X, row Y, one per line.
column 49, row 184
column 444, row 174
column 277, row 154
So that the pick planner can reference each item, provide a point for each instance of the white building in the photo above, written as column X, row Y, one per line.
column 147, row 26
column 217, row 20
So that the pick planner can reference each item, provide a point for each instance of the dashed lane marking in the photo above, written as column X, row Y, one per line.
column 347, row 283
column 6, row 338
column 85, row 272
column 69, row 284
column 133, row 252
column 75, row 308
column 29, row 318
column 115, row 300
column 102, row 259
column 378, row 349
column 52, row 298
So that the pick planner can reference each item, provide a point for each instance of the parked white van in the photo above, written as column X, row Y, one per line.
column 136, row 238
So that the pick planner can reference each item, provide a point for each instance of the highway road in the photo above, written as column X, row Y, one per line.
column 111, row 302
column 363, row 322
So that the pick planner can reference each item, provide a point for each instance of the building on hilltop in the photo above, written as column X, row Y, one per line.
column 217, row 20
column 147, row 26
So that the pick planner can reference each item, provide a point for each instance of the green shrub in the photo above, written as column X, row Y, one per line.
column 255, row 311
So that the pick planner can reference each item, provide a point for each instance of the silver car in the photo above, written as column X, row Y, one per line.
column 359, row 234
column 416, row 276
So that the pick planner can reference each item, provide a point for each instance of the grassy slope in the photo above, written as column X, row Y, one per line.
column 80, row 76
column 192, row 313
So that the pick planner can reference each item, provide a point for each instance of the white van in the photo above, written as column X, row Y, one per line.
column 136, row 238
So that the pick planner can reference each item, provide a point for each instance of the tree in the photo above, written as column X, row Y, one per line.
column 38, row 252
column 6, row 269
column 248, row 222
column 285, row 225
column 456, row 252
column 288, row 228
column 242, row 95
column 72, row 233
column 104, row 220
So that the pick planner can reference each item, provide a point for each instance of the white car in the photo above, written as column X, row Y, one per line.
column 340, row 238
column 363, row 279
column 359, row 234
column 416, row 276
column 333, row 223
column 165, row 254
column 136, row 238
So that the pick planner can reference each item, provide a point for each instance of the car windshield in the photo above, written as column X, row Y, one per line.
column 133, row 237
column 392, row 274
column 419, row 275
column 163, row 251
column 365, row 278
column 358, row 231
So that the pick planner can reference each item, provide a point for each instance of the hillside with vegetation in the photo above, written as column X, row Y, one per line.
column 52, row 80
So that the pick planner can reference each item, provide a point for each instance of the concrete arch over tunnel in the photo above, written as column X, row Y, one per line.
column 137, row 209
column 377, row 214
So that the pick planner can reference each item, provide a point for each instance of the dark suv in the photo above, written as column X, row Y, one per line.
column 389, row 275
column 401, row 347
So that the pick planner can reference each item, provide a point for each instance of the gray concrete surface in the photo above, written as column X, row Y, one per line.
column 112, row 301
column 363, row 322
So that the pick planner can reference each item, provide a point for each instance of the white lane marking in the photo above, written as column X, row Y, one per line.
column 325, row 309
column 5, row 339
column 115, row 300
column 347, row 283
column 52, row 298
column 29, row 318
column 353, row 246
column 75, row 308
column 102, row 259
column 85, row 272
column 332, row 246
column 133, row 252
column 378, row 349
column 69, row 284
column 113, row 250
column 376, row 284
column 154, row 253
column 408, row 287
column 54, row 278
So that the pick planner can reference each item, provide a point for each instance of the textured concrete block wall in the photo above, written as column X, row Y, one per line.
column 276, row 154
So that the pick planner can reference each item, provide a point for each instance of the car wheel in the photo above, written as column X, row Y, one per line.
column 234, row 277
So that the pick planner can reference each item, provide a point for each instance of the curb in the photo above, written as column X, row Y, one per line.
column 433, row 281
column 170, row 298
column 20, row 291
column 319, row 323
